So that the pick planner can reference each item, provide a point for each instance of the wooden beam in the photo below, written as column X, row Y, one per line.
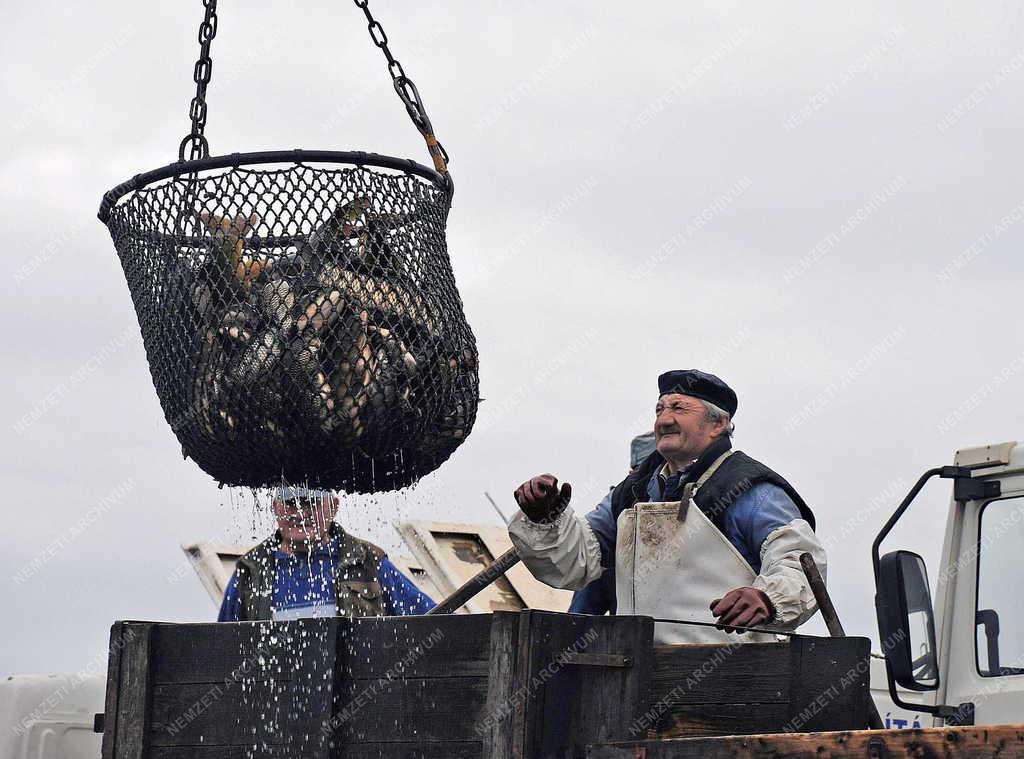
column 980, row 742
column 134, row 695
column 497, row 725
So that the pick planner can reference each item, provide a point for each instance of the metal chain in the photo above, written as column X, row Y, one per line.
column 406, row 90
column 195, row 141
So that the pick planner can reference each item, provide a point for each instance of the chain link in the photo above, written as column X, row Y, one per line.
column 195, row 141
column 406, row 89
column 198, row 147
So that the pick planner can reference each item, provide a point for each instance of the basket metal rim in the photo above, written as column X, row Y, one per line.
column 297, row 156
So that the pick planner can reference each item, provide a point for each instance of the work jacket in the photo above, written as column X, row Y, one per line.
column 748, row 527
column 357, row 588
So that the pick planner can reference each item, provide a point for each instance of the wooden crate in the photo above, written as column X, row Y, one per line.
column 524, row 684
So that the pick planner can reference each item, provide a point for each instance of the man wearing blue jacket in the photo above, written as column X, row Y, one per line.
column 311, row 567
column 697, row 532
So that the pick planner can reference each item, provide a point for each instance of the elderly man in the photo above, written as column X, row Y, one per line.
column 311, row 567
column 697, row 532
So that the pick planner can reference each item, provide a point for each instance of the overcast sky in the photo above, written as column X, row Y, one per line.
column 819, row 202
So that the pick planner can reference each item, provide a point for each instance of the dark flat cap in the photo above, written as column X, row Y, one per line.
column 698, row 384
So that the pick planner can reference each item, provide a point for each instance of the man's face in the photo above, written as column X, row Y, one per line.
column 305, row 520
column 681, row 429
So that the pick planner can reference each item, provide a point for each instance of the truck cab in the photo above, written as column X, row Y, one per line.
column 962, row 656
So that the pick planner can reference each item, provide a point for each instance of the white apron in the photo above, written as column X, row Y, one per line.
column 671, row 562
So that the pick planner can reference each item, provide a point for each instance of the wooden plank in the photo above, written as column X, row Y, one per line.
column 417, row 750
column 278, row 687
column 418, row 646
column 317, row 664
column 112, row 691
column 819, row 683
column 692, row 720
column 721, row 674
column 200, row 713
column 414, row 709
column 134, row 691
column 226, row 752
column 986, row 742
column 830, row 684
column 567, row 706
column 211, row 653
column 496, row 724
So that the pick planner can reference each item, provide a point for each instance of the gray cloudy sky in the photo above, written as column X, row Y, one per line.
column 819, row 202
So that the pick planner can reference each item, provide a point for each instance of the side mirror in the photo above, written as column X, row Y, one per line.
column 906, row 622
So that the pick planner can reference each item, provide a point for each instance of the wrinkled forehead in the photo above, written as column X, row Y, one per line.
column 669, row 399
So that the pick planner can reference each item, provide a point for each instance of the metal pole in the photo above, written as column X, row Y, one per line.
column 477, row 583
column 835, row 627
column 825, row 605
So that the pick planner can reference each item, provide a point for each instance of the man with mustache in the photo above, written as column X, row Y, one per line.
column 697, row 532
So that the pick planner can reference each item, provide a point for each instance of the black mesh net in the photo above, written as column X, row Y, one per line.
column 302, row 323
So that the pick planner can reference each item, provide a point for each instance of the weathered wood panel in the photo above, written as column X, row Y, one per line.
column 693, row 720
column 417, row 750
column 757, row 673
column 806, row 683
column 211, row 653
column 231, row 685
column 411, row 709
column 567, row 704
column 497, row 722
column 113, row 690
column 134, row 691
column 227, row 752
column 1002, row 741
column 198, row 713
column 503, row 686
column 417, row 646
column 830, row 684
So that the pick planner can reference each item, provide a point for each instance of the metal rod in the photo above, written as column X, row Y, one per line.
column 835, row 627
column 904, row 505
column 720, row 626
column 477, row 583
column 236, row 160
column 500, row 514
column 825, row 605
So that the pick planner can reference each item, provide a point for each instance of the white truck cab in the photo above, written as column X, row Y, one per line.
column 50, row 716
column 963, row 656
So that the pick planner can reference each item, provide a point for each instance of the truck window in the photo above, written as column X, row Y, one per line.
column 999, row 616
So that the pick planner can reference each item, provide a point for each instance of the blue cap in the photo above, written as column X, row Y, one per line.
column 641, row 447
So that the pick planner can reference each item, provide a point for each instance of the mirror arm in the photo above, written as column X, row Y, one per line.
column 951, row 715
column 964, row 713
column 965, row 487
column 904, row 505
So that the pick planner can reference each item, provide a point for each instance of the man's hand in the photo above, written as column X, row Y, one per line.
column 743, row 607
column 540, row 498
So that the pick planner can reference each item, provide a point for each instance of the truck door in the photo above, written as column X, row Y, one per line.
column 982, row 580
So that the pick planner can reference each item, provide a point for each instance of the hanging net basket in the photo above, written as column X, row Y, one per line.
column 298, row 309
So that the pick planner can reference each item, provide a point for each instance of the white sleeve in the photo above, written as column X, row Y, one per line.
column 563, row 553
column 782, row 578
